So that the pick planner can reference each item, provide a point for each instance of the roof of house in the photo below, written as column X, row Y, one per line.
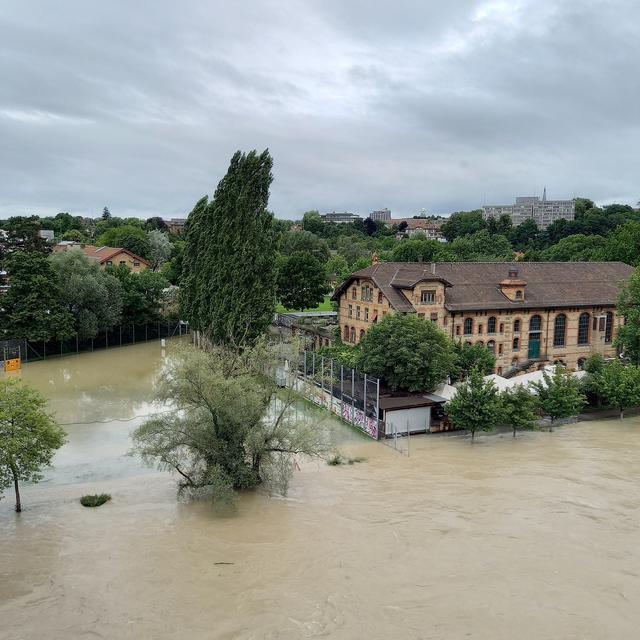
column 104, row 254
column 475, row 285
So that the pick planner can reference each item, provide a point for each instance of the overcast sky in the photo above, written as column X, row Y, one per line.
column 408, row 104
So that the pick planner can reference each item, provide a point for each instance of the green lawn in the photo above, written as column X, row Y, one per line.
column 325, row 305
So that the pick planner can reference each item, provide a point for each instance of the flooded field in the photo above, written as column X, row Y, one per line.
column 530, row 539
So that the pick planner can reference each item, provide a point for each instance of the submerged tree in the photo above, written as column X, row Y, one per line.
column 232, row 428
column 559, row 394
column 519, row 408
column 229, row 263
column 476, row 405
column 470, row 356
column 619, row 385
column 29, row 436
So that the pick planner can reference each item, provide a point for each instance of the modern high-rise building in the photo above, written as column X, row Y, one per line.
column 383, row 214
column 542, row 211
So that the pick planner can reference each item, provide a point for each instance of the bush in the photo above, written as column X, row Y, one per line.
column 95, row 500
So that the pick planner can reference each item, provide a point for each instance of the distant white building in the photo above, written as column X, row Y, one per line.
column 46, row 234
column 340, row 217
column 542, row 211
column 382, row 214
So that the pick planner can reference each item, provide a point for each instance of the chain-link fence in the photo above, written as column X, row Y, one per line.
column 351, row 395
column 32, row 350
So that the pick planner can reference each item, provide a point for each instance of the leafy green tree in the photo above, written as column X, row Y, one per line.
column 519, row 408
column 416, row 250
column 624, row 244
column 22, row 234
column 463, row 223
column 296, row 241
column 481, row 246
column 234, row 430
column 591, row 384
column 156, row 223
column 31, row 308
column 628, row 338
column 476, row 405
column 29, row 436
column 142, row 294
column 577, row 248
column 106, row 214
column 620, row 385
column 583, row 205
column 160, row 248
column 231, row 292
column 524, row 235
column 337, row 269
column 302, row 281
column 469, row 357
column 407, row 352
column 559, row 394
column 74, row 235
column 312, row 222
column 130, row 237
column 92, row 296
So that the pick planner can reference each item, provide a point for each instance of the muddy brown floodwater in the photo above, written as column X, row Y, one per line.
column 531, row 539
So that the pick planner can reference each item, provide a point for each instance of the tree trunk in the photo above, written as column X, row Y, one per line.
column 17, row 489
column 473, row 435
column 514, row 430
column 621, row 413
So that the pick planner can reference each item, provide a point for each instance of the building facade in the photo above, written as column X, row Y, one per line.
column 383, row 214
column 340, row 218
column 542, row 211
column 528, row 314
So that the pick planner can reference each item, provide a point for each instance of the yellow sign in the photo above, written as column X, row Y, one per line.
column 13, row 364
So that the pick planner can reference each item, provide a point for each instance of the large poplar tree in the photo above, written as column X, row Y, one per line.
column 230, row 254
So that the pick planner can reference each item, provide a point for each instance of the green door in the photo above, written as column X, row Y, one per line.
column 534, row 346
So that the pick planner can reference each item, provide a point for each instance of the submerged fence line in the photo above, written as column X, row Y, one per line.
column 122, row 335
column 352, row 396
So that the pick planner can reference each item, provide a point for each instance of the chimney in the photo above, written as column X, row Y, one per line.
column 513, row 273
column 374, row 258
column 433, row 268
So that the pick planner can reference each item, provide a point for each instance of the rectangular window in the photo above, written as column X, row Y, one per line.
column 434, row 317
column 445, row 321
column 351, row 311
column 480, row 329
column 109, row 263
column 354, row 294
column 421, row 316
column 136, row 264
column 358, row 313
column 457, row 329
column 379, row 297
column 122, row 262
column 428, row 297
column 366, row 314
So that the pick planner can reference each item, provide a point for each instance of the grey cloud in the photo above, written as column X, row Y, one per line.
column 363, row 104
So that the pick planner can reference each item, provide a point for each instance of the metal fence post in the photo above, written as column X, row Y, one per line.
column 353, row 395
column 364, row 405
column 133, row 330
column 378, row 405
column 341, row 390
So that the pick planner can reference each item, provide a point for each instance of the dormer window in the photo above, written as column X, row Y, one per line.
column 519, row 294
column 428, row 297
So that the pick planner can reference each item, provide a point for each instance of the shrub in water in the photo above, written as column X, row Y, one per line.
column 94, row 500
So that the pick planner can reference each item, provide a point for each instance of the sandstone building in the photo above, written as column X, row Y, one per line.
column 527, row 313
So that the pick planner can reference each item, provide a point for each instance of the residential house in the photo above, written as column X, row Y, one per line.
column 527, row 313
column 106, row 256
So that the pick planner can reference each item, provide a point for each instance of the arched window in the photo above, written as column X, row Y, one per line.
column 581, row 362
column 514, row 362
column 500, row 348
column 361, row 334
column 516, row 344
column 583, row 328
column 516, row 326
column 535, row 324
column 518, row 295
column 491, row 325
column 608, row 328
column 560, row 330
column 491, row 345
column 353, row 334
column 480, row 343
column 468, row 326
column 346, row 333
